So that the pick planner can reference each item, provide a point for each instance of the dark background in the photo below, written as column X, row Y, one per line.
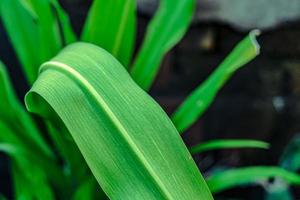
column 261, row 101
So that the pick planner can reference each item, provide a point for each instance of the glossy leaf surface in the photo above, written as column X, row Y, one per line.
column 128, row 141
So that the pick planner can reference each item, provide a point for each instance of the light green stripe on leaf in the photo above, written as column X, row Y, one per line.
column 200, row 99
column 165, row 29
column 248, row 175
column 111, row 24
column 228, row 144
column 133, row 153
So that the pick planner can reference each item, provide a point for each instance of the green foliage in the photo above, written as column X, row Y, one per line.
column 88, row 190
column 34, row 31
column 248, row 175
column 116, row 34
column 228, row 144
column 96, row 116
column 14, row 117
column 199, row 100
column 112, row 115
column 165, row 29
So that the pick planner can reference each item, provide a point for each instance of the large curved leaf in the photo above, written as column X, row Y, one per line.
column 130, row 144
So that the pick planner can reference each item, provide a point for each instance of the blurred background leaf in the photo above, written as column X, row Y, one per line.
column 172, row 19
column 227, row 144
column 202, row 97
column 111, row 24
column 248, row 175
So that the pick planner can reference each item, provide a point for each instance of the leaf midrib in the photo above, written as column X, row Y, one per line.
column 76, row 76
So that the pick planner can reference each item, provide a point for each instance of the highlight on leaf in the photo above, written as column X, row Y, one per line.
column 228, row 144
column 198, row 101
column 248, row 175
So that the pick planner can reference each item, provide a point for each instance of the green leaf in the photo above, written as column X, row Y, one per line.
column 25, row 155
column 248, row 175
column 228, row 144
column 88, row 190
column 29, row 179
column 13, row 114
column 128, row 141
column 290, row 158
column 201, row 98
column 17, row 128
column 48, row 41
column 10, row 149
column 23, row 34
column 34, row 31
column 166, row 28
column 64, row 21
column 111, row 24
column 31, row 182
column 74, row 163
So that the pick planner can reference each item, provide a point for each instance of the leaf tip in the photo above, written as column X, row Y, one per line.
column 253, row 37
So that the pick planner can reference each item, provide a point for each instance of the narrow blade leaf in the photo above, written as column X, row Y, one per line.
column 200, row 99
column 13, row 113
column 128, row 141
column 248, row 175
column 62, row 17
column 166, row 28
column 48, row 41
column 33, row 30
column 228, row 144
column 111, row 24
column 27, row 176
column 23, row 34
